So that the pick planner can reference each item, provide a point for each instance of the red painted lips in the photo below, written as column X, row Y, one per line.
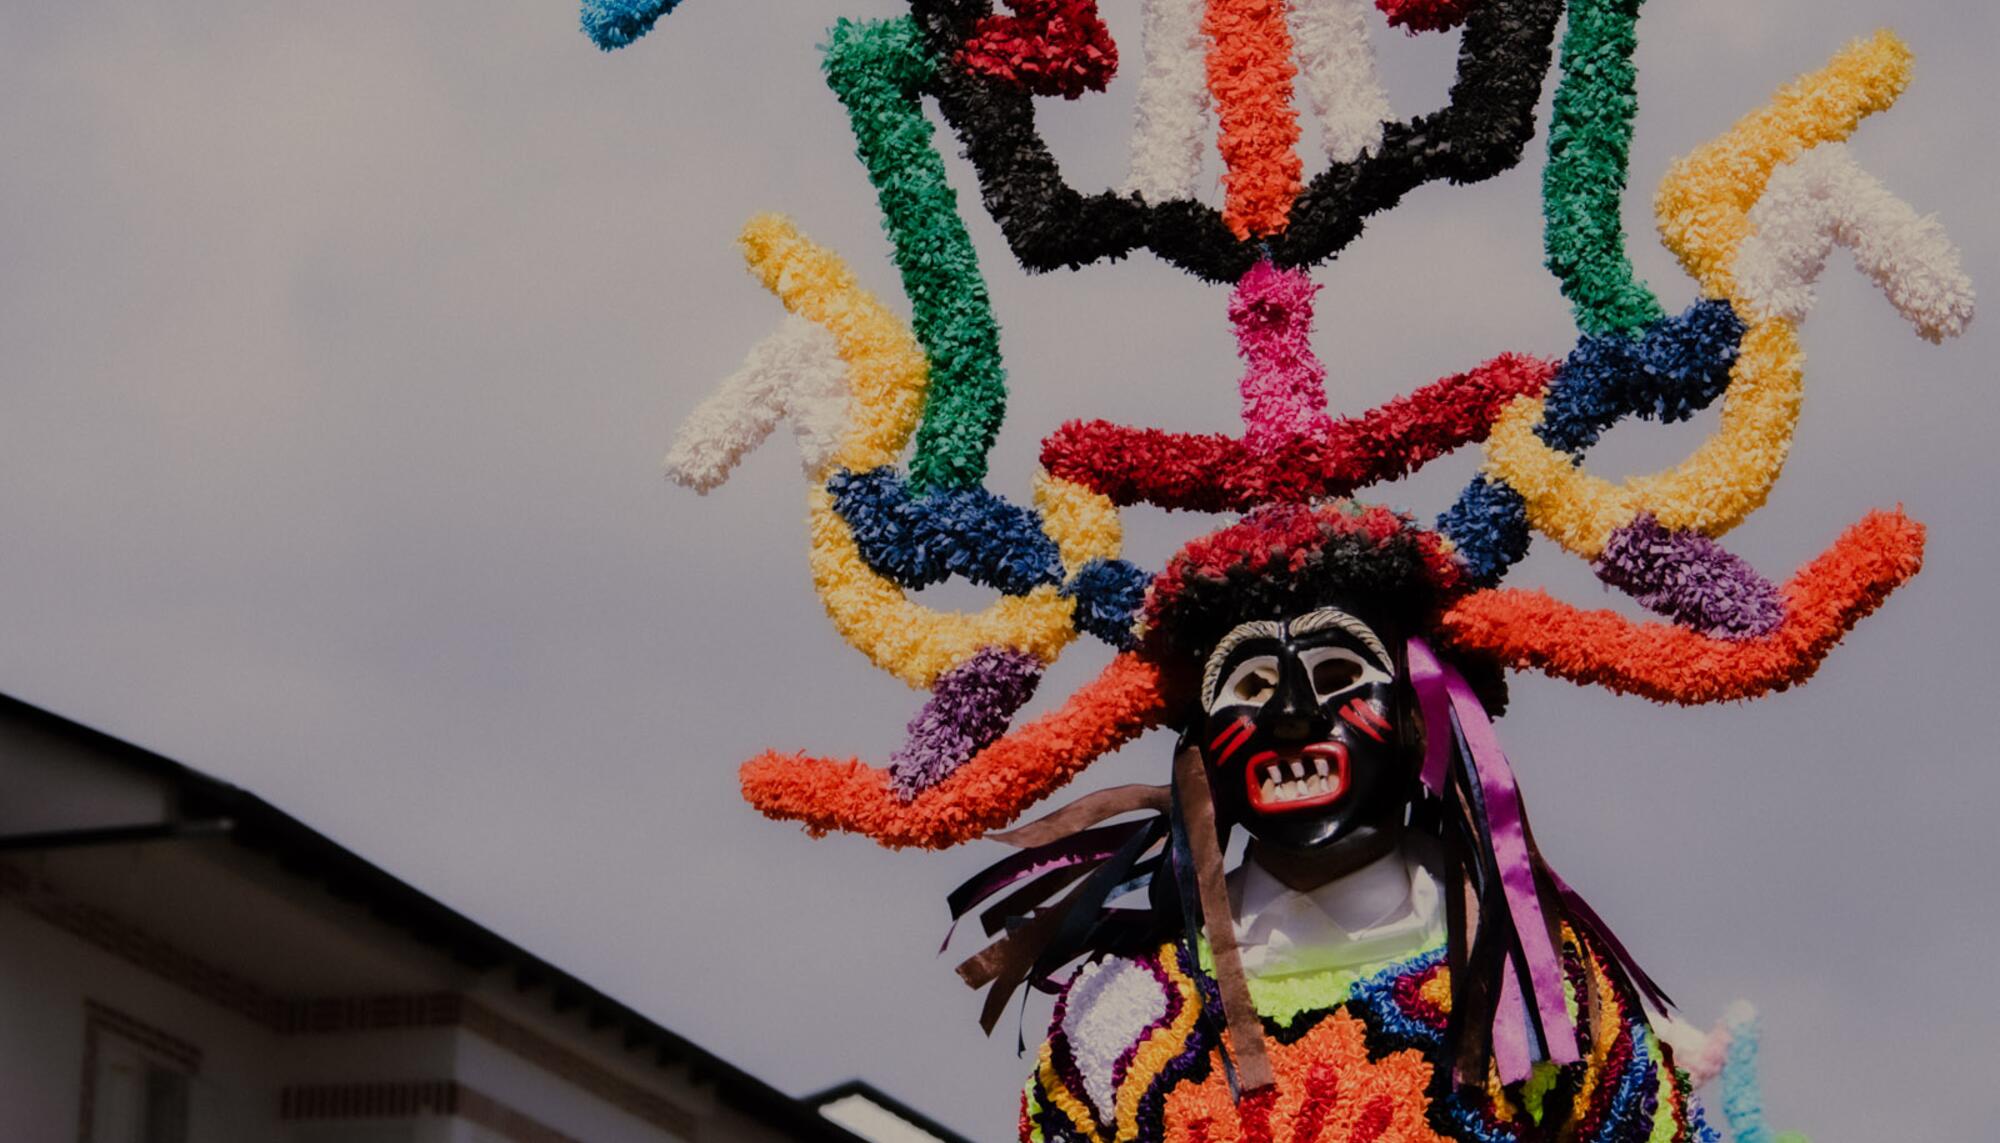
column 1312, row 778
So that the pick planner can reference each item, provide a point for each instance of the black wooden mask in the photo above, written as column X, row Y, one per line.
column 1307, row 729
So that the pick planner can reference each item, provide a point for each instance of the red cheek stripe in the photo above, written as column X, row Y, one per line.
column 1230, row 740
column 1363, row 716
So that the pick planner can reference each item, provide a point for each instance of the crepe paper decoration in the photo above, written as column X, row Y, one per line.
column 1504, row 55
column 1210, row 472
column 1172, row 113
column 1132, row 695
column 612, row 24
column 922, row 540
column 795, row 374
column 1702, row 1055
column 1338, row 70
column 887, row 372
column 1824, row 198
column 1108, row 595
column 1313, row 1074
column 1249, row 568
column 1704, row 202
column 1725, row 479
column 1121, row 1051
column 837, row 334
column 1083, row 524
column 1048, row 47
column 918, row 644
column 1677, row 368
column 1704, row 212
column 1066, row 1086
column 1668, row 373
column 1742, row 1091
column 895, row 421
column 887, row 376
column 1667, row 663
column 877, row 69
column 912, row 642
column 1590, row 143
column 1250, row 74
column 1488, row 527
column 1335, row 62
column 1691, row 580
column 1426, row 15
column 970, row 707
column 1284, row 389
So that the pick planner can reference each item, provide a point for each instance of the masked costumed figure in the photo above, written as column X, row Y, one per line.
column 1392, row 960
column 1362, row 974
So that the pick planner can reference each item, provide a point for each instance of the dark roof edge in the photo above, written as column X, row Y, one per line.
column 304, row 852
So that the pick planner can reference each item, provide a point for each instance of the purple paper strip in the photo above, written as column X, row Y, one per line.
column 970, row 707
column 1690, row 579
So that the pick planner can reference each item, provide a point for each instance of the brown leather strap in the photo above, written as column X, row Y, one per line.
column 1246, row 1028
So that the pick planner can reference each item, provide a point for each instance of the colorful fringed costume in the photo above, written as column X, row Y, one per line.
column 1360, row 1054
column 1521, row 1016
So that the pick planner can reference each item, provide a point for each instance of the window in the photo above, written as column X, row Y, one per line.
column 136, row 1080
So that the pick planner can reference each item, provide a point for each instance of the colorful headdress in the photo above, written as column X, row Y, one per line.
column 894, row 416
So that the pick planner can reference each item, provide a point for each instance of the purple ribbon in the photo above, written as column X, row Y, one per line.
column 1427, row 676
column 1441, row 694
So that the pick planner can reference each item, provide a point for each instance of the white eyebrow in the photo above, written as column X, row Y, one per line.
column 1211, row 675
column 1334, row 619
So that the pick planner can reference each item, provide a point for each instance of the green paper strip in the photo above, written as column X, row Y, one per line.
column 879, row 70
column 1590, row 152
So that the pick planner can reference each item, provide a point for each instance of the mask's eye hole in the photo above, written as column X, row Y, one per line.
column 1256, row 687
column 1334, row 670
column 1331, row 676
column 1251, row 684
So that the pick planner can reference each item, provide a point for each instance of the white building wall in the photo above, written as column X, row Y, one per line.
column 547, row 1098
column 46, row 975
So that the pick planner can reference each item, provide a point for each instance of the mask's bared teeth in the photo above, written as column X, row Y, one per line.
column 1320, row 764
column 1298, row 769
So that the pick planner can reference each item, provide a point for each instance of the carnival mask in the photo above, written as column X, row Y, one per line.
column 1305, row 730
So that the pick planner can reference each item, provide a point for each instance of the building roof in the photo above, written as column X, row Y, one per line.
column 201, row 806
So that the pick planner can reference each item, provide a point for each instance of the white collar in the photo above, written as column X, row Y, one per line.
column 1388, row 909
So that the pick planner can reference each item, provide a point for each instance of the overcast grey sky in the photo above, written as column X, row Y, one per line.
column 341, row 342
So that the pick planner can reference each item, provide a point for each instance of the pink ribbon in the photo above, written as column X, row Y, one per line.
column 1441, row 693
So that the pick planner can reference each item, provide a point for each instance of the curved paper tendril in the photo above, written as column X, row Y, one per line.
column 1669, row 663
column 1590, row 150
column 1824, row 198
column 878, row 70
column 1704, row 210
column 615, row 23
column 1132, row 696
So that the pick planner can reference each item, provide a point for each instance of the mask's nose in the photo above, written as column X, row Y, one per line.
column 1294, row 716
